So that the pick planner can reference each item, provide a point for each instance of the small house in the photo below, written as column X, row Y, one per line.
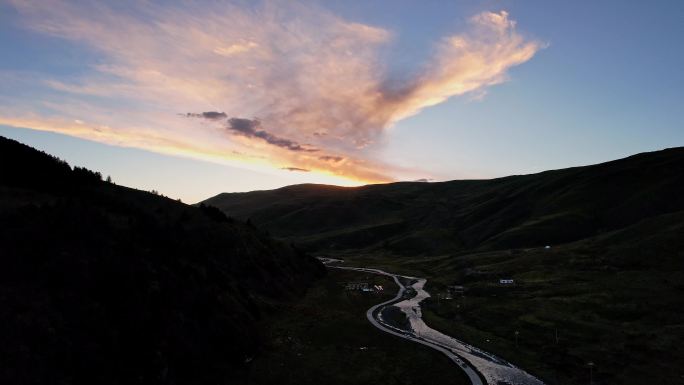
column 456, row 289
column 361, row 286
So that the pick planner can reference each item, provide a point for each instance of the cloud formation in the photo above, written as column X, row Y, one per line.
column 295, row 169
column 330, row 158
column 210, row 115
column 251, row 128
column 316, row 83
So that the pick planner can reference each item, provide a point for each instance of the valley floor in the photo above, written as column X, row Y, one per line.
column 326, row 339
column 628, row 323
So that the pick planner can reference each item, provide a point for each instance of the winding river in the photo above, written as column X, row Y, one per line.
column 480, row 367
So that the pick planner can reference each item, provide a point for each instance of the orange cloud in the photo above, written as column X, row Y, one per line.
column 313, row 81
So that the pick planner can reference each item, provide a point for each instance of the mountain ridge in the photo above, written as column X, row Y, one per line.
column 583, row 200
column 610, row 277
column 332, row 186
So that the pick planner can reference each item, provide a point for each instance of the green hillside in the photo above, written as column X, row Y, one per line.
column 608, row 290
column 432, row 218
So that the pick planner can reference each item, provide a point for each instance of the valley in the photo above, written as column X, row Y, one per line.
column 317, row 192
column 605, row 291
column 565, row 284
column 479, row 366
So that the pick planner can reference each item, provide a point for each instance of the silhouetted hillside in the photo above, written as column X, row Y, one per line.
column 102, row 284
column 429, row 218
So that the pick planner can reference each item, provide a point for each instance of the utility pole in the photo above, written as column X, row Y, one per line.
column 590, row 364
column 556, row 329
column 516, row 338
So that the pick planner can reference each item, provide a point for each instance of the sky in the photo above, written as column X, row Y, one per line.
column 196, row 98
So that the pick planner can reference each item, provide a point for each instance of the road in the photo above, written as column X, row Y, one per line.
column 480, row 367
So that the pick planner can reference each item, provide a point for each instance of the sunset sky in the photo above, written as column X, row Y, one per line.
column 197, row 98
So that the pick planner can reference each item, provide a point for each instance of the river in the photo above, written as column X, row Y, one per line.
column 480, row 366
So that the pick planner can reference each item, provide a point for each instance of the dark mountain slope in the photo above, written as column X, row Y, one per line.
column 608, row 291
column 109, row 285
column 427, row 218
column 614, row 299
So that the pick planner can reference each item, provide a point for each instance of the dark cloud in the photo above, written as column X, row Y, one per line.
column 330, row 158
column 251, row 128
column 210, row 115
column 295, row 169
column 424, row 180
column 244, row 126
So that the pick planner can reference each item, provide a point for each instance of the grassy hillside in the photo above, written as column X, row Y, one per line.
column 609, row 289
column 614, row 300
column 101, row 284
column 431, row 218
column 326, row 339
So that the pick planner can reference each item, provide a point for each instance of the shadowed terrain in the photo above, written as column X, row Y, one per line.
column 608, row 290
column 430, row 218
column 326, row 339
column 102, row 284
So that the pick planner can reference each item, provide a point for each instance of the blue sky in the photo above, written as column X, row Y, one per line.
column 576, row 83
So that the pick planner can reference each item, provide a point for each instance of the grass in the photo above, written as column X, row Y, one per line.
column 627, row 322
column 326, row 339
column 611, row 284
column 410, row 219
column 610, row 302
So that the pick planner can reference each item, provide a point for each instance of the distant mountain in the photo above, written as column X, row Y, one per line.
column 413, row 218
column 102, row 284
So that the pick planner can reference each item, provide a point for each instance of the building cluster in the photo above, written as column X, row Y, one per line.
column 363, row 287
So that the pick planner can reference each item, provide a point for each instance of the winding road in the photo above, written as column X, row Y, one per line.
column 480, row 367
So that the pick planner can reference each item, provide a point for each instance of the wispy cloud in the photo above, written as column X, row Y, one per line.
column 295, row 169
column 251, row 128
column 330, row 158
column 315, row 83
column 210, row 115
